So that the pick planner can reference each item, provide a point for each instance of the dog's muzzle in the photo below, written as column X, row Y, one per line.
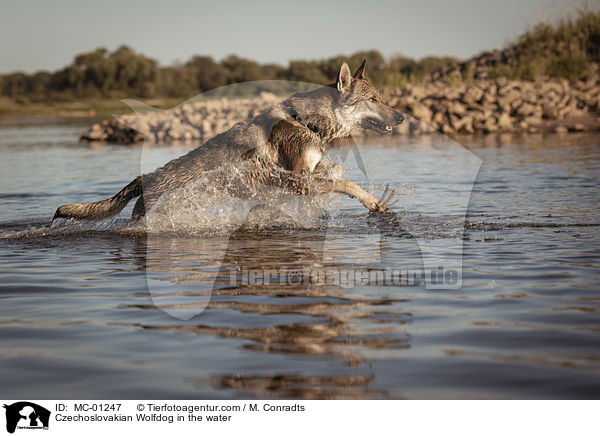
column 384, row 127
column 399, row 118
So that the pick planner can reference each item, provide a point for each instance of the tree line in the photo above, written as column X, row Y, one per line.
column 124, row 72
column 569, row 48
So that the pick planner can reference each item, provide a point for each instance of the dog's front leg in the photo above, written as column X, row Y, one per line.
column 315, row 184
column 353, row 190
column 319, row 185
column 328, row 170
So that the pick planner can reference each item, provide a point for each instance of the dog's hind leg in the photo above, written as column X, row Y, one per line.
column 144, row 204
column 139, row 209
column 104, row 208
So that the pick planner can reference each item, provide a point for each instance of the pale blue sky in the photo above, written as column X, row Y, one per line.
column 39, row 34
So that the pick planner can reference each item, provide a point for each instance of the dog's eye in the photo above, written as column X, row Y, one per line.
column 373, row 99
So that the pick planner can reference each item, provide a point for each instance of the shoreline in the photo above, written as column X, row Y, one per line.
column 544, row 105
column 102, row 108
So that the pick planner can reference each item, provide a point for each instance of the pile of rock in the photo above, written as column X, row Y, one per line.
column 502, row 105
column 112, row 131
column 190, row 122
column 483, row 106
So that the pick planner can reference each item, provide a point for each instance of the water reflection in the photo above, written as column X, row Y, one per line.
column 285, row 310
column 298, row 386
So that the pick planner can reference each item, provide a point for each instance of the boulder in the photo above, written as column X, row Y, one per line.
column 464, row 124
column 578, row 128
column 422, row 112
column 560, row 129
column 206, row 128
column 490, row 126
column 96, row 133
column 472, row 95
column 549, row 111
column 509, row 100
column 452, row 93
column 447, row 129
column 504, row 122
column 457, row 108
column 533, row 120
column 574, row 113
column 488, row 99
column 438, row 118
column 501, row 82
column 525, row 110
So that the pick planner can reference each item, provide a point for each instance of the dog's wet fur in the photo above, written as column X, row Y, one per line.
column 291, row 136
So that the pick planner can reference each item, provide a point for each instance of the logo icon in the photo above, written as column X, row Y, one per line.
column 26, row 415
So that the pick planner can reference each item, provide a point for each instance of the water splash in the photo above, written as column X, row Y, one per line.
column 207, row 206
column 210, row 206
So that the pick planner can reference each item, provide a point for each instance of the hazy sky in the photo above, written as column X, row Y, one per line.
column 47, row 34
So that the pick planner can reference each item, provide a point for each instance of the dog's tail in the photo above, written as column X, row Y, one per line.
column 102, row 209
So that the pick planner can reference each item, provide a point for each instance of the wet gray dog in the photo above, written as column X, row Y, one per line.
column 290, row 137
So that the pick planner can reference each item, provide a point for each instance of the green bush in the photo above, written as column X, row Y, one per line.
column 566, row 49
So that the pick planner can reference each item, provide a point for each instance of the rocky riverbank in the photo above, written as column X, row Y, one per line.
column 191, row 122
column 502, row 105
column 479, row 107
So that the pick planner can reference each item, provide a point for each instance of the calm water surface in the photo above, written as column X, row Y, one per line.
column 107, row 311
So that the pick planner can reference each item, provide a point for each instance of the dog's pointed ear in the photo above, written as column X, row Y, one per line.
column 344, row 78
column 360, row 73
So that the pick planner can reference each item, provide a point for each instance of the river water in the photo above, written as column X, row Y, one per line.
column 491, row 255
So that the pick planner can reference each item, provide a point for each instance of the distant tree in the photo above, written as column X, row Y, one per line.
column 206, row 73
column 133, row 71
column 240, row 69
column 376, row 65
column 306, row 71
column 40, row 85
column 173, row 82
column 99, row 70
column 14, row 85
column 272, row 72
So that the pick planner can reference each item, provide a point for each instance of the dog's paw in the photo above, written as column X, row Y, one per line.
column 378, row 207
column 388, row 198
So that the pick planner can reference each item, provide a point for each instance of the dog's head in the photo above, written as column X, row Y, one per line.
column 360, row 104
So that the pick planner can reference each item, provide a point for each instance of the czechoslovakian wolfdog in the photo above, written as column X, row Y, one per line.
column 290, row 137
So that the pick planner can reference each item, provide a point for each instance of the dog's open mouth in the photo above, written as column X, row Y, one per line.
column 377, row 126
